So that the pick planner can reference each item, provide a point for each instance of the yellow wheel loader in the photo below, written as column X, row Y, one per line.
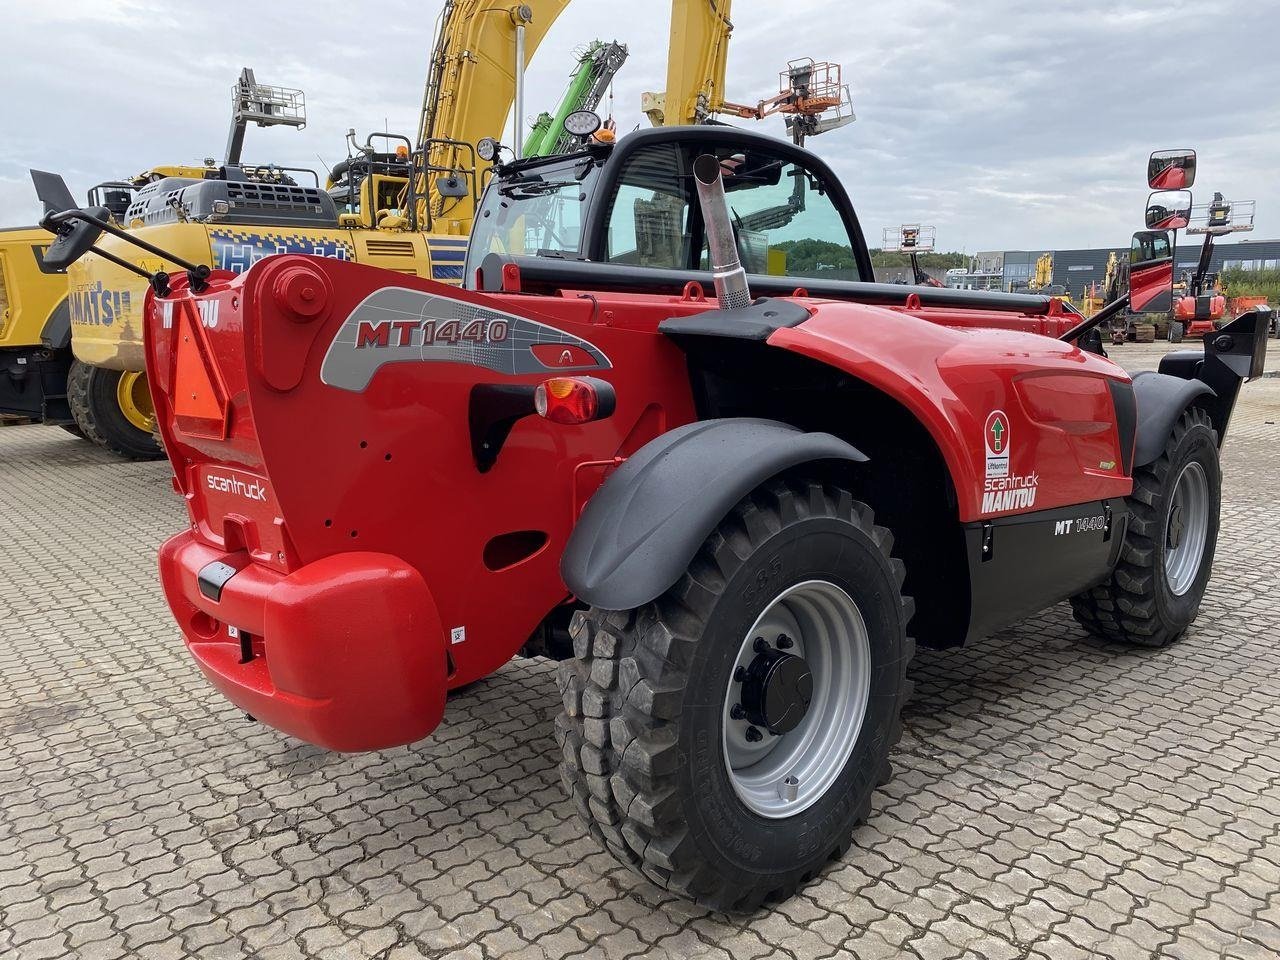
column 35, row 325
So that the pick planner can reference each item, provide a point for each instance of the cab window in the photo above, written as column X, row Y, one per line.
column 649, row 220
column 785, row 220
column 537, row 212
column 1150, row 245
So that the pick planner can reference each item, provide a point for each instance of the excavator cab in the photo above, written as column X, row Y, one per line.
column 374, row 186
column 115, row 195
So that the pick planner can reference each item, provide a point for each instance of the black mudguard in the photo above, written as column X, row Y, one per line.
column 1161, row 400
column 56, row 334
column 1212, row 379
column 639, row 532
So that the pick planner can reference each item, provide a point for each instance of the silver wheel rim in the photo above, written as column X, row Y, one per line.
column 780, row 776
column 1186, row 528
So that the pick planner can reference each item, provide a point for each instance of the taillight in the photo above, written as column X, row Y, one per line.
column 574, row 399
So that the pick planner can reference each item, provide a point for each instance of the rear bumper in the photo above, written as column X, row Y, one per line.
column 348, row 652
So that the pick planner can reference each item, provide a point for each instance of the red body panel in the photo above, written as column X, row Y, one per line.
column 1062, row 439
column 378, row 565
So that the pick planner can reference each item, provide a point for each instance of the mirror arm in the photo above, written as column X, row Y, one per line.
column 159, row 280
column 197, row 273
column 1106, row 313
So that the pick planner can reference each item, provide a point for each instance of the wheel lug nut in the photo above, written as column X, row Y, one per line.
column 754, row 735
column 737, row 712
column 785, row 642
column 740, row 675
column 789, row 789
column 761, row 645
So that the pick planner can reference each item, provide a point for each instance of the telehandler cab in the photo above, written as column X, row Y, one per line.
column 732, row 516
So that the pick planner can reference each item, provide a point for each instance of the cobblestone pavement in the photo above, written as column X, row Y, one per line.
column 1055, row 797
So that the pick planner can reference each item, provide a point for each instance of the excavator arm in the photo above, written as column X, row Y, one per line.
column 471, row 87
column 697, row 52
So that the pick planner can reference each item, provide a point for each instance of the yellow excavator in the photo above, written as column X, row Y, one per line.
column 396, row 203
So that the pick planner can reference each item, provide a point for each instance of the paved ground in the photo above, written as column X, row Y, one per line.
column 1055, row 797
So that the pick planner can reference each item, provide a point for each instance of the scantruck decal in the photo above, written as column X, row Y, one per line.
column 396, row 325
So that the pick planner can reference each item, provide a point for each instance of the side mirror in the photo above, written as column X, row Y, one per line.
column 1171, row 170
column 74, row 235
column 1168, row 210
column 1151, row 272
column 452, row 186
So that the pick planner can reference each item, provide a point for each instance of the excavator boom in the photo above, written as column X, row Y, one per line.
column 698, row 50
column 471, row 87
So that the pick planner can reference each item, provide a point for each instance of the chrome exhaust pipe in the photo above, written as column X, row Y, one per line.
column 730, row 277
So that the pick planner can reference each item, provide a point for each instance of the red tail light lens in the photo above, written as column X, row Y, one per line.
column 574, row 399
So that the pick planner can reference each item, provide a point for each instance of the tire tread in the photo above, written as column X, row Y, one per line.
column 635, row 754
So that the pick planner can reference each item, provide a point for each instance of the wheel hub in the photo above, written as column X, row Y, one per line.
column 1187, row 528
column 777, row 691
column 796, row 698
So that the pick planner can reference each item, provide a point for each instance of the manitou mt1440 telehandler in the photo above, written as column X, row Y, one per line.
column 731, row 503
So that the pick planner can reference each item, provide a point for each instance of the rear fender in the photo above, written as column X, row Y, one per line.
column 644, row 525
column 1161, row 400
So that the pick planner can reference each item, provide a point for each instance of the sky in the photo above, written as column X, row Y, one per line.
column 1012, row 125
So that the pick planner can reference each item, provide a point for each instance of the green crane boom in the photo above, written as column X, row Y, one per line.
column 596, row 68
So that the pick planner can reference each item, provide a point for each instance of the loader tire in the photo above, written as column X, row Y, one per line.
column 1154, row 593
column 94, row 394
column 660, row 702
column 1176, row 331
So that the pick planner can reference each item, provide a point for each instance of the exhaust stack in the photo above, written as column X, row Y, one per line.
column 730, row 277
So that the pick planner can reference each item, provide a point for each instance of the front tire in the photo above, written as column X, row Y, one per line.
column 797, row 581
column 113, row 409
column 1155, row 592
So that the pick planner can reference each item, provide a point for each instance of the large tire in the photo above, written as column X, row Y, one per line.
column 1176, row 331
column 93, row 395
column 1154, row 593
column 646, row 725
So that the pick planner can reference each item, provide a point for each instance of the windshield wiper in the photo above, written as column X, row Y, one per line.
column 524, row 189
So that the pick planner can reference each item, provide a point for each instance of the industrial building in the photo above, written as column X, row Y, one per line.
column 1076, row 269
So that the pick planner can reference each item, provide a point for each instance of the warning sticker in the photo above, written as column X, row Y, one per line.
column 996, row 439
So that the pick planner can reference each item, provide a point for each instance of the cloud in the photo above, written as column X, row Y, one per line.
column 1006, row 125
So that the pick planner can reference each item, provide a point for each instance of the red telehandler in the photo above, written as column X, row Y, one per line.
column 731, row 502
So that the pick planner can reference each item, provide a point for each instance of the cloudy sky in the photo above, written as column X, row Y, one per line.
column 1014, row 124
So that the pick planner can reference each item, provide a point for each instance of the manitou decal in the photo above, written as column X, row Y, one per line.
column 397, row 325
column 1014, row 492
